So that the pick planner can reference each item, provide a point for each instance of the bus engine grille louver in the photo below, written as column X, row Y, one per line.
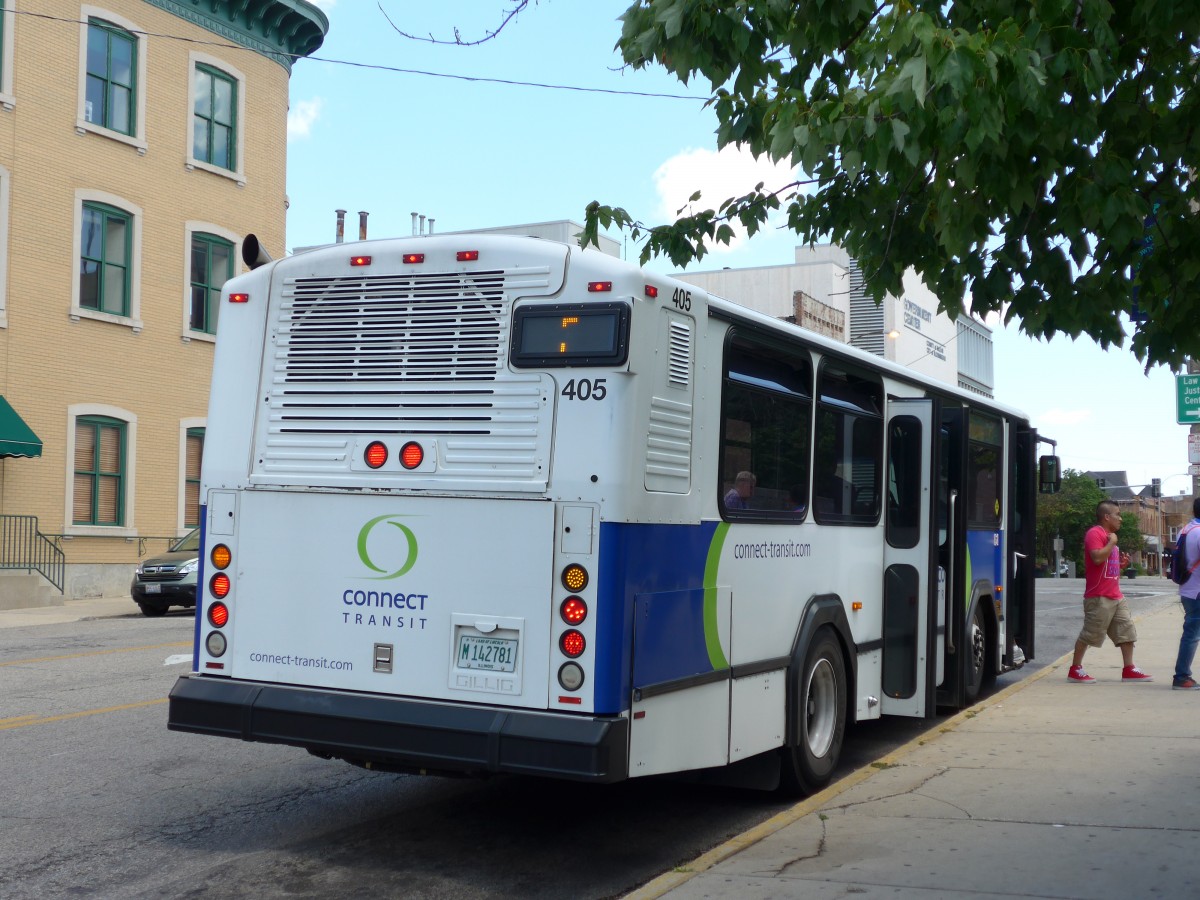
column 420, row 355
column 393, row 329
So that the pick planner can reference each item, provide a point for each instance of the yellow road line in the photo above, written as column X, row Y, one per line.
column 22, row 721
column 41, row 659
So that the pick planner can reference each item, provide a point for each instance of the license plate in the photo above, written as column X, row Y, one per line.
column 154, row 589
column 488, row 653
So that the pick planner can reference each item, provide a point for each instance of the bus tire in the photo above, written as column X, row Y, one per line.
column 820, row 711
column 981, row 673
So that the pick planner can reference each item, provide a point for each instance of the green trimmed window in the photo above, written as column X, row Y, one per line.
column 214, row 120
column 99, row 471
column 105, row 245
column 111, row 93
column 191, row 485
column 212, row 266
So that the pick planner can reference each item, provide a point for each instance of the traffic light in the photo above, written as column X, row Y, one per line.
column 1155, row 487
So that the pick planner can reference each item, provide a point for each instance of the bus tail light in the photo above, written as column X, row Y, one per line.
column 573, row 610
column 575, row 578
column 218, row 614
column 570, row 676
column 376, row 454
column 360, row 261
column 215, row 644
column 411, row 259
column 599, row 287
column 572, row 643
column 220, row 557
column 468, row 255
column 239, row 298
column 412, row 455
column 218, row 585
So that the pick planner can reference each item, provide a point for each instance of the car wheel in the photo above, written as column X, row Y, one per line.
column 149, row 609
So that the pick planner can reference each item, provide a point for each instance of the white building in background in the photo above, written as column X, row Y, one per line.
column 823, row 291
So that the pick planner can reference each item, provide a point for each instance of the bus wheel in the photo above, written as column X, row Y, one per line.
column 820, row 717
column 980, row 673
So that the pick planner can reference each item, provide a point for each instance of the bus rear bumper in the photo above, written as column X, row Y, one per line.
column 405, row 734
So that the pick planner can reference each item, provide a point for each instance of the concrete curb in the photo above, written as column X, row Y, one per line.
column 668, row 881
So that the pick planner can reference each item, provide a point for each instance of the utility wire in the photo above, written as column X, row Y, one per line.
column 392, row 69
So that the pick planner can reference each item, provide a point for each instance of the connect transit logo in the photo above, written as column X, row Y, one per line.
column 387, row 553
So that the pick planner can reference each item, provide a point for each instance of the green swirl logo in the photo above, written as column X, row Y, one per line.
column 410, row 544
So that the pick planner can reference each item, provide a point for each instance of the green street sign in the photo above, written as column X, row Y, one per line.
column 1187, row 399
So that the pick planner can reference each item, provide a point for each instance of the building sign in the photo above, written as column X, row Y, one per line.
column 918, row 318
column 1187, row 399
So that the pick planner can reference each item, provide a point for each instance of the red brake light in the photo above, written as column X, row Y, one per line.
column 360, row 260
column 412, row 455
column 219, row 585
column 239, row 298
column 413, row 258
column 598, row 287
column 218, row 614
column 572, row 643
column 376, row 454
column 651, row 291
column 573, row 610
column 468, row 255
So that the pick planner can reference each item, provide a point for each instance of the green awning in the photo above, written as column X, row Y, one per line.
column 16, row 438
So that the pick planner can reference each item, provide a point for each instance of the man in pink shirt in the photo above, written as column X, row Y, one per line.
column 1105, row 611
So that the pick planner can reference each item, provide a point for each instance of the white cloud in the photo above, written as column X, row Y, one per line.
column 324, row 5
column 301, row 117
column 718, row 175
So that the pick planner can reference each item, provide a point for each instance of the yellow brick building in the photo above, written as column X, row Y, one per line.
column 140, row 140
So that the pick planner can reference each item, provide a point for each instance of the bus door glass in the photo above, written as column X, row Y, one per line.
column 910, row 609
column 951, row 533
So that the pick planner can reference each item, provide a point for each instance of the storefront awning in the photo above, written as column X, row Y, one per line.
column 16, row 438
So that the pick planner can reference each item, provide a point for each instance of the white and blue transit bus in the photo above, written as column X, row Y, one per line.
column 486, row 504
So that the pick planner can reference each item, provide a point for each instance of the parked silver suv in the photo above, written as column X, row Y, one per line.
column 170, row 579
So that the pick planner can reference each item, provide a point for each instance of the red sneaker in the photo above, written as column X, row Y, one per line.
column 1076, row 675
column 1133, row 673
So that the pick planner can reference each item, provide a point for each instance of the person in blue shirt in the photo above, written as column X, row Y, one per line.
column 1189, row 596
column 743, row 489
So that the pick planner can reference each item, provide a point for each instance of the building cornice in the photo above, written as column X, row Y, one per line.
column 282, row 30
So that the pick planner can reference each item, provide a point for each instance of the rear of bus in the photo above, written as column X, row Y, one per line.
column 394, row 574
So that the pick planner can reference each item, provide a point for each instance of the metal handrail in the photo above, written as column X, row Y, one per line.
column 22, row 546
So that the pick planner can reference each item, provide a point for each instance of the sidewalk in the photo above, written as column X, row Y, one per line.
column 70, row 611
column 1045, row 789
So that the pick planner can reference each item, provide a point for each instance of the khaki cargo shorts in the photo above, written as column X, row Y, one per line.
column 1103, row 616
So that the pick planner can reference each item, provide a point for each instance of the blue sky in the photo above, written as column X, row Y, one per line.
column 474, row 153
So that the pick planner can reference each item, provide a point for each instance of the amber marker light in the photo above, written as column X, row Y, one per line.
column 218, row 586
column 376, row 454
column 220, row 556
column 856, row 605
column 575, row 577
column 411, row 259
column 360, row 261
column 599, row 287
column 651, row 292
column 412, row 455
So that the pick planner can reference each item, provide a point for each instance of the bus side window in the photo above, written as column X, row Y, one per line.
column 849, row 447
column 766, row 408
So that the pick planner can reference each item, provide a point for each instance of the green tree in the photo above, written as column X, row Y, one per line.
column 1071, row 512
column 1037, row 154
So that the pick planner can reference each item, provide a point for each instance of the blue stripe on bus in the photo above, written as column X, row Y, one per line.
column 650, row 616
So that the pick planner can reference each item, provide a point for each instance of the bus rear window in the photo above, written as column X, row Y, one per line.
column 570, row 334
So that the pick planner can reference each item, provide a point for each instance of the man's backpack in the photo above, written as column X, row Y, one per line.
column 1181, row 568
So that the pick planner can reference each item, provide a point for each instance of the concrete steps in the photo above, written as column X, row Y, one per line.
column 22, row 590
